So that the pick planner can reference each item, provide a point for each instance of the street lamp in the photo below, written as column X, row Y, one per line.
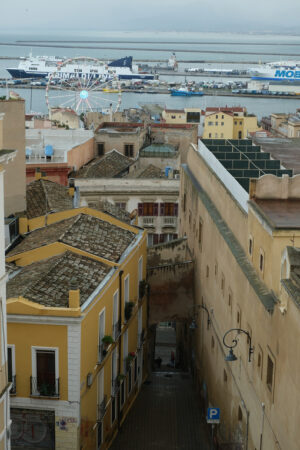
column 193, row 324
column 231, row 356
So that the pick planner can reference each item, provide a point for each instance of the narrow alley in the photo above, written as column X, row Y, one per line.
column 166, row 415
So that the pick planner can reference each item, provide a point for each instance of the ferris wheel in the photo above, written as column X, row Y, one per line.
column 83, row 84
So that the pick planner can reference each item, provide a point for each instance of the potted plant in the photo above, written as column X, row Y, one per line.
column 128, row 310
column 120, row 378
column 107, row 340
column 129, row 359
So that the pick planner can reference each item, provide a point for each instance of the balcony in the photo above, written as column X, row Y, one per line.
column 148, row 221
column 101, row 353
column 102, row 409
column 169, row 221
column 42, row 388
column 13, row 389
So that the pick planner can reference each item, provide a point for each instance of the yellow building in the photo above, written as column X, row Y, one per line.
column 228, row 123
column 181, row 116
column 6, row 381
column 245, row 237
column 77, row 317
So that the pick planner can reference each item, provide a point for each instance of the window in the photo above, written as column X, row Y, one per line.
column 216, row 135
column 270, row 373
column 101, row 334
column 100, row 148
column 222, row 135
column 229, row 298
column 209, row 135
column 193, row 117
column 212, row 343
column 250, row 247
column 260, row 362
column 241, row 122
column 128, row 150
column 223, row 283
column 45, row 380
column 152, row 239
column 210, row 124
column 217, row 116
column 126, row 289
column 184, row 202
column 173, row 117
column 222, row 116
column 207, row 271
column 261, row 260
column 240, row 135
column 116, row 315
column 238, row 316
column 11, row 367
column 240, row 414
column 222, row 124
column 169, row 209
column 148, row 209
column 121, row 205
column 216, row 269
column 235, row 122
column 217, row 123
column 200, row 232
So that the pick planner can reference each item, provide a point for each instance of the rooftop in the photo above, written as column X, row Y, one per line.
column 243, row 160
column 284, row 149
column 44, row 196
column 85, row 232
column 279, row 213
column 48, row 282
column 113, row 210
column 151, row 171
column 113, row 164
column 60, row 140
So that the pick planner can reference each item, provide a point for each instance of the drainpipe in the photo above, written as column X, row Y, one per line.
column 119, row 343
column 262, row 426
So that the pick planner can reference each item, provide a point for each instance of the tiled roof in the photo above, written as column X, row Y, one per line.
column 159, row 150
column 151, row 171
column 48, row 282
column 85, row 232
column 113, row 210
column 44, row 196
column 111, row 165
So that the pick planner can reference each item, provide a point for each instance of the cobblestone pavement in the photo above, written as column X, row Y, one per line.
column 165, row 416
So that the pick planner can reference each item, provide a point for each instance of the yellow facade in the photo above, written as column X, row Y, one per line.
column 181, row 116
column 221, row 125
column 74, row 333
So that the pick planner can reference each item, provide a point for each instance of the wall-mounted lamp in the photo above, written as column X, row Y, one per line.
column 231, row 356
column 193, row 324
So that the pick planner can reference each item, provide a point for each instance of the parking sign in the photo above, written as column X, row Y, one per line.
column 213, row 415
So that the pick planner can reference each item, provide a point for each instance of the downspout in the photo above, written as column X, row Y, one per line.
column 119, row 344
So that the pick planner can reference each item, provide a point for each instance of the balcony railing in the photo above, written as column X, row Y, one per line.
column 170, row 221
column 148, row 221
column 102, row 408
column 13, row 389
column 116, row 330
column 41, row 388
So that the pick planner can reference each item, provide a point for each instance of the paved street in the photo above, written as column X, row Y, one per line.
column 165, row 416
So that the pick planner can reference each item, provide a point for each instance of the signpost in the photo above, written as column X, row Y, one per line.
column 213, row 417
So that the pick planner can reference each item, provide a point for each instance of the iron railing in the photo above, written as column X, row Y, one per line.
column 102, row 408
column 42, row 388
column 13, row 389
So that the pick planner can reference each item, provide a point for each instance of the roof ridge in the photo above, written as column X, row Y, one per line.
column 76, row 218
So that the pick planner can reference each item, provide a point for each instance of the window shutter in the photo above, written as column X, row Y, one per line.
column 155, row 239
column 155, row 209
column 176, row 209
column 162, row 209
column 140, row 209
column 161, row 238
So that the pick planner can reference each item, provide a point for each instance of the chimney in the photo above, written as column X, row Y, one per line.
column 74, row 295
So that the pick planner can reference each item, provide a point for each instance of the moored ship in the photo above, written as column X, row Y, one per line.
column 276, row 71
column 45, row 66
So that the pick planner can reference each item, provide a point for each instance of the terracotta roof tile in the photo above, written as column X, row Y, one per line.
column 111, row 165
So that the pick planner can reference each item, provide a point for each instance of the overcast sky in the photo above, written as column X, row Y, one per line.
column 168, row 15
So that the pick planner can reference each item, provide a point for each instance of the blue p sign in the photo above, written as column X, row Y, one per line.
column 213, row 415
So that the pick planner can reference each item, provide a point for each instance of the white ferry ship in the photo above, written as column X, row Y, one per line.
column 277, row 71
column 44, row 66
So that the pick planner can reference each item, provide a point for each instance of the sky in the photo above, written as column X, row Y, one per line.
column 50, row 16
